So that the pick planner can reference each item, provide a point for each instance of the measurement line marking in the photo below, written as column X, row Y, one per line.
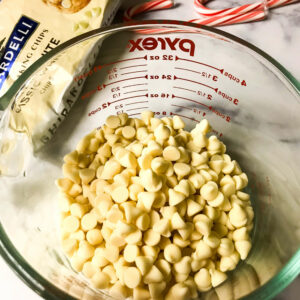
column 105, row 85
column 123, row 60
column 185, row 79
column 200, row 63
column 181, row 106
column 184, row 69
column 134, row 72
column 134, row 85
column 133, row 66
column 145, row 90
column 145, row 107
column 181, row 88
column 123, row 99
column 191, row 100
column 136, row 103
column 173, row 114
column 134, row 114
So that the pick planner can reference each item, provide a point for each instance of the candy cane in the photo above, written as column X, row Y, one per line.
column 239, row 10
column 146, row 7
column 277, row 3
column 231, row 19
column 210, row 17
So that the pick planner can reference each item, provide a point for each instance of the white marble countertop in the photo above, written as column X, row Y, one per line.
column 278, row 35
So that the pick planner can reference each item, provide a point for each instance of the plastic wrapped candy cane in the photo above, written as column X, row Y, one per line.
column 235, row 15
column 212, row 17
column 146, row 7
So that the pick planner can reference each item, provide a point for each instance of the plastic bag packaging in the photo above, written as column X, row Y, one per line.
column 30, row 29
column 27, row 32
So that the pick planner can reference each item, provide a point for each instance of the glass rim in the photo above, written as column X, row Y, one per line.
column 45, row 288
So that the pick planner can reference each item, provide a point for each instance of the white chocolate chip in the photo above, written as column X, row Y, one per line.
column 243, row 248
column 237, row 216
column 172, row 253
column 178, row 123
column 203, row 251
column 89, row 269
column 113, row 122
column 118, row 290
column 70, row 224
column 162, row 227
column 110, row 271
column 162, row 132
column 157, row 289
column 178, row 291
column 171, row 153
column 143, row 222
column 150, row 210
column 131, row 252
column 85, row 250
column 217, row 277
column 183, row 266
column 133, row 277
column 134, row 237
column 175, row 197
column 151, row 181
column 177, row 222
column 209, row 191
column 100, row 280
column 140, row 293
column 226, row 247
column 203, row 280
column 153, row 276
column 182, row 170
column 151, row 238
column 94, row 236
column 98, row 259
column 240, row 234
column 128, row 132
column 120, row 194
column 228, row 263
column 146, row 116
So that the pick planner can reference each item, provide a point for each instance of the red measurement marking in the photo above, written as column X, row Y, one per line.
column 138, row 108
column 200, row 63
column 123, row 60
column 181, row 88
column 105, row 85
column 136, row 103
column 191, row 100
column 202, row 74
column 135, row 91
column 215, row 89
column 188, row 70
column 133, row 66
column 128, row 98
column 134, row 85
column 134, row 72
column 181, row 106
column 134, row 114
column 221, row 115
column 173, row 114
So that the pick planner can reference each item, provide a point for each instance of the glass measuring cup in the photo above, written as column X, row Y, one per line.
column 171, row 68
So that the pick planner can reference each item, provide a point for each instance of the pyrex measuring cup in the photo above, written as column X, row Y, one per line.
column 171, row 68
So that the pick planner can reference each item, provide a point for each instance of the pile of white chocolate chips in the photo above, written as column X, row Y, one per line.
column 151, row 211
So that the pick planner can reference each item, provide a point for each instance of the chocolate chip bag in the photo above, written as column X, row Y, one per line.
column 28, row 30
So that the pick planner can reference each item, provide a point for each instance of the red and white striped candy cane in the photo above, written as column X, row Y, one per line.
column 277, row 3
column 239, row 10
column 146, row 7
column 211, row 17
column 240, row 14
column 230, row 19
